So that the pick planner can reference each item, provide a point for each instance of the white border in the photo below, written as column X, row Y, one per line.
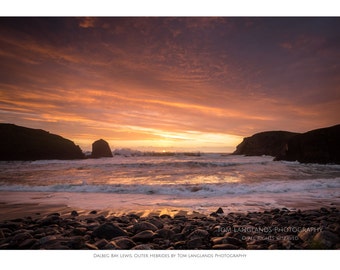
column 146, row 259
column 87, row 259
column 170, row 8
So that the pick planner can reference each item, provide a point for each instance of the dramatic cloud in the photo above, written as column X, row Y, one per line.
column 178, row 83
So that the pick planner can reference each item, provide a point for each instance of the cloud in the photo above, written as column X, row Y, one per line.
column 164, row 78
column 287, row 45
column 88, row 22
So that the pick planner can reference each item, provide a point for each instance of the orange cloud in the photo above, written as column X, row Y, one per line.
column 167, row 81
column 88, row 22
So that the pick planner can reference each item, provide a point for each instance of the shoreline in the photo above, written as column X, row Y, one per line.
column 20, row 204
column 10, row 211
column 61, row 227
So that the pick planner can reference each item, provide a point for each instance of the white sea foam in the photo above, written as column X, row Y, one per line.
column 192, row 190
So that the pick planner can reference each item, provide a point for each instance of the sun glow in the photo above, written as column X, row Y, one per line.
column 189, row 141
column 164, row 141
column 146, row 88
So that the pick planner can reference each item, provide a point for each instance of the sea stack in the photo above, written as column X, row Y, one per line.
column 100, row 149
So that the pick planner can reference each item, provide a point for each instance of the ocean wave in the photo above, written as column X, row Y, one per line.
column 190, row 190
column 206, row 175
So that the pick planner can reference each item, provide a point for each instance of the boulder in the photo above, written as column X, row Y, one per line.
column 324, row 240
column 100, row 149
column 316, row 146
column 271, row 143
column 22, row 143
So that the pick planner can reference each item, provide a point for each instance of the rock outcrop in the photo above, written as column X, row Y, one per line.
column 100, row 149
column 21, row 143
column 316, row 146
column 271, row 143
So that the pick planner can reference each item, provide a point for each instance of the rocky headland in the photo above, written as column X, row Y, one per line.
column 270, row 143
column 316, row 146
column 21, row 143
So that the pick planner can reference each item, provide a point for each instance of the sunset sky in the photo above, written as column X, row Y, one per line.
column 169, row 83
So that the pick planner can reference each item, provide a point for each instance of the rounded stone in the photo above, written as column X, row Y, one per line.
column 111, row 245
column 100, row 244
column 306, row 235
column 233, row 241
column 188, row 229
column 76, row 242
column 195, row 243
column 144, row 236
column 108, row 231
column 180, row 245
column 28, row 243
column 125, row 243
column 143, row 247
column 74, row 213
column 165, row 233
column 19, row 238
column 47, row 239
column 158, row 223
column 225, row 246
column 143, row 226
column 79, row 231
column 325, row 239
column 90, row 246
column 198, row 233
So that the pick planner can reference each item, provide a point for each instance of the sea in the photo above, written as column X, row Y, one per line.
column 193, row 182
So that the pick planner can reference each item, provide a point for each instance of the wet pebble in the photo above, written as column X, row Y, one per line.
column 125, row 243
column 143, row 226
column 198, row 233
column 108, row 231
column 144, row 236
column 195, row 243
column 165, row 233
column 143, row 247
column 74, row 213
column 325, row 240
column 227, row 231
column 225, row 246
column 19, row 238
column 100, row 244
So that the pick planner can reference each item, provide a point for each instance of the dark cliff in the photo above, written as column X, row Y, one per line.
column 21, row 143
column 271, row 143
column 316, row 146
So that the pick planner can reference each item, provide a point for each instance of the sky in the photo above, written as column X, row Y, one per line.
column 169, row 83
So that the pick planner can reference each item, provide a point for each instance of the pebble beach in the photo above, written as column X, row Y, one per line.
column 62, row 228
